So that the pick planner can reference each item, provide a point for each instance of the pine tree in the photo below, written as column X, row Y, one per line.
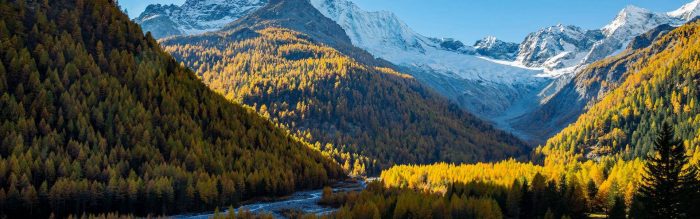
column 690, row 190
column 618, row 209
column 666, row 183
column 637, row 210
column 513, row 199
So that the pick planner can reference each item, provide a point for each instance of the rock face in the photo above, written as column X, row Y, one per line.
column 494, row 48
column 561, row 47
column 629, row 23
column 557, row 46
column 194, row 16
column 451, row 44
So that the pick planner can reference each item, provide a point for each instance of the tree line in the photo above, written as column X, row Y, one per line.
column 664, row 185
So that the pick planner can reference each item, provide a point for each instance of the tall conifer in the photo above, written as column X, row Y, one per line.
column 670, row 183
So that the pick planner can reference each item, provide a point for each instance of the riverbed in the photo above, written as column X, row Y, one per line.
column 304, row 201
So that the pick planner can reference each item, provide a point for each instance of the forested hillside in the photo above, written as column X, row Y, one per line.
column 327, row 97
column 94, row 117
column 661, row 88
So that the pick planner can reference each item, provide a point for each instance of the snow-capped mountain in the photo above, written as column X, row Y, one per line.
column 484, row 78
column 492, row 47
column 632, row 21
column 484, row 87
column 557, row 46
column 498, row 81
column 194, row 16
column 581, row 86
column 569, row 47
column 687, row 12
column 385, row 36
column 489, row 46
column 454, row 45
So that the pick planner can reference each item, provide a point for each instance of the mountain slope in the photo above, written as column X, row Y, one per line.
column 492, row 90
column 660, row 87
column 298, row 16
column 587, row 87
column 194, row 16
column 96, row 118
column 583, row 81
column 313, row 88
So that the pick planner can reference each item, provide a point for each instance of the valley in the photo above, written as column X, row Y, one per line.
column 519, row 89
column 327, row 109
column 307, row 202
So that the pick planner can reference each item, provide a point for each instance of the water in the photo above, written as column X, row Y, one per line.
column 304, row 201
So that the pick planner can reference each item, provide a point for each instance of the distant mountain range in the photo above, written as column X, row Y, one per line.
column 518, row 87
column 194, row 16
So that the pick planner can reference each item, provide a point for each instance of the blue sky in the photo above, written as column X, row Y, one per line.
column 470, row 20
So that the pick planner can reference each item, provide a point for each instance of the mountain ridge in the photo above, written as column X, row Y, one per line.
column 499, row 83
column 403, row 107
column 194, row 16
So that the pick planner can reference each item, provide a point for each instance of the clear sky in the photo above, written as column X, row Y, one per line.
column 470, row 20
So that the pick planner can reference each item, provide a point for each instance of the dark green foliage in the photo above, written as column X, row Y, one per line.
column 637, row 208
column 544, row 199
column 94, row 117
column 513, row 200
column 618, row 209
column 670, row 183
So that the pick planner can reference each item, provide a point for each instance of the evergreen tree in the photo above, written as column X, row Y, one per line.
column 666, row 183
column 513, row 200
column 617, row 211
column 637, row 208
column 690, row 190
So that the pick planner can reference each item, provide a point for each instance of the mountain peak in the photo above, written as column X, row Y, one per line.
column 687, row 11
column 487, row 40
column 561, row 28
column 633, row 20
column 194, row 16
column 490, row 46
column 633, row 9
column 376, row 28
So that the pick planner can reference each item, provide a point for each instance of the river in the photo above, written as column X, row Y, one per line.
column 304, row 201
